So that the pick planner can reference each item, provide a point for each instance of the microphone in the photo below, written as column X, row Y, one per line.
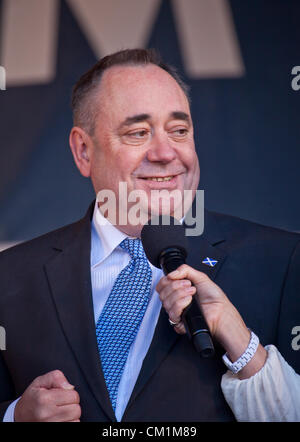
column 165, row 245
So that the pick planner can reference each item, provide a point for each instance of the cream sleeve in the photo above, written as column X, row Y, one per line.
column 271, row 395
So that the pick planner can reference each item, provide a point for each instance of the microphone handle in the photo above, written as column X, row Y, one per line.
column 194, row 322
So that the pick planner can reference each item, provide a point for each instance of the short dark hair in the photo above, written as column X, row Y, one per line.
column 84, row 110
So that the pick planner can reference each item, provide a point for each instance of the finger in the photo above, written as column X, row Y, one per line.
column 175, row 311
column 176, row 297
column 53, row 379
column 172, row 287
column 162, row 283
column 62, row 397
column 187, row 272
column 66, row 413
column 180, row 329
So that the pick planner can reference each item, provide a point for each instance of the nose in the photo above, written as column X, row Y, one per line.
column 160, row 150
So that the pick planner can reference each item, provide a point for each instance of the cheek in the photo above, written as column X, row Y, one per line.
column 129, row 159
column 118, row 167
column 196, row 169
column 195, row 176
column 103, row 171
column 190, row 160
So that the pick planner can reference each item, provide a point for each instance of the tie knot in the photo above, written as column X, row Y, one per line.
column 133, row 247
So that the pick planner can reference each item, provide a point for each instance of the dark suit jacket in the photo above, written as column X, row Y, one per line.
column 47, row 311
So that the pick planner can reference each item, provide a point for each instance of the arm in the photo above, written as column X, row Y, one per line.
column 224, row 321
column 267, row 388
column 271, row 395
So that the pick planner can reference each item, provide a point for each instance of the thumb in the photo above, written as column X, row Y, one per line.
column 53, row 379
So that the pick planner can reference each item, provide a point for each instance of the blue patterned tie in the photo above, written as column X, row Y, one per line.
column 122, row 314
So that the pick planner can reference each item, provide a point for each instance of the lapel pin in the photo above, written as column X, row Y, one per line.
column 209, row 262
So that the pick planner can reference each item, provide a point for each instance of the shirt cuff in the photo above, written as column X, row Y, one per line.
column 271, row 395
column 10, row 412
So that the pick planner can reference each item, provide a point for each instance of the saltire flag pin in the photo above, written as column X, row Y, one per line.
column 209, row 262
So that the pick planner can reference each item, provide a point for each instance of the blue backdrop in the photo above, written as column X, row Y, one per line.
column 247, row 129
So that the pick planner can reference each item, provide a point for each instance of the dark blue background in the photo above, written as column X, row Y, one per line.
column 247, row 130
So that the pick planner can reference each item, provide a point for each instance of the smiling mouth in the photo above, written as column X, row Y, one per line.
column 153, row 178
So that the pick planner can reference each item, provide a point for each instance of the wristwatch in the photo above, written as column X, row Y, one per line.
column 246, row 357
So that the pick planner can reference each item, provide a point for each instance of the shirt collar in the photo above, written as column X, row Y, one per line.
column 105, row 237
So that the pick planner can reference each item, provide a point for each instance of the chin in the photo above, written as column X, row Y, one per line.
column 170, row 205
column 175, row 211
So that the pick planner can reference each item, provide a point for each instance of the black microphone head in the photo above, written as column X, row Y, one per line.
column 160, row 233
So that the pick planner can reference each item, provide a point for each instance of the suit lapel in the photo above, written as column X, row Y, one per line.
column 165, row 337
column 205, row 257
column 70, row 283
column 206, row 246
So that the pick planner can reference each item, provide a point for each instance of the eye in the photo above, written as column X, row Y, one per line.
column 139, row 133
column 136, row 136
column 179, row 132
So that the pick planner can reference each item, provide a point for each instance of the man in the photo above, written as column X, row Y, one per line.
column 65, row 298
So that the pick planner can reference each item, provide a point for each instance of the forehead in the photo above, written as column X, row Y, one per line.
column 126, row 90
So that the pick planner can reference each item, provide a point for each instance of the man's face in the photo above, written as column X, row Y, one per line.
column 143, row 134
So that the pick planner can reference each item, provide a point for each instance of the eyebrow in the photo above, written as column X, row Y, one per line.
column 179, row 115
column 135, row 119
column 176, row 115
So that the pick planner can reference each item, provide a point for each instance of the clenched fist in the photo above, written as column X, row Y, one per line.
column 49, row 398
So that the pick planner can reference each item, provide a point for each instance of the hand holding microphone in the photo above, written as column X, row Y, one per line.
column 177, row 289
column 224, row 321
column 192, row 297
column 165, row 245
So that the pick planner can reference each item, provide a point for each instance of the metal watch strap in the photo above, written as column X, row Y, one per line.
column 246, row 357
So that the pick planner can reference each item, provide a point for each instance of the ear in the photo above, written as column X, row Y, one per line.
column 80, row 144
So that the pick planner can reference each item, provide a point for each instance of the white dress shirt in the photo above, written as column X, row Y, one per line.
column 272, row 394
column 107, row 261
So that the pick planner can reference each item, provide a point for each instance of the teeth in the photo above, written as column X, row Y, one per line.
column 167, row 178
